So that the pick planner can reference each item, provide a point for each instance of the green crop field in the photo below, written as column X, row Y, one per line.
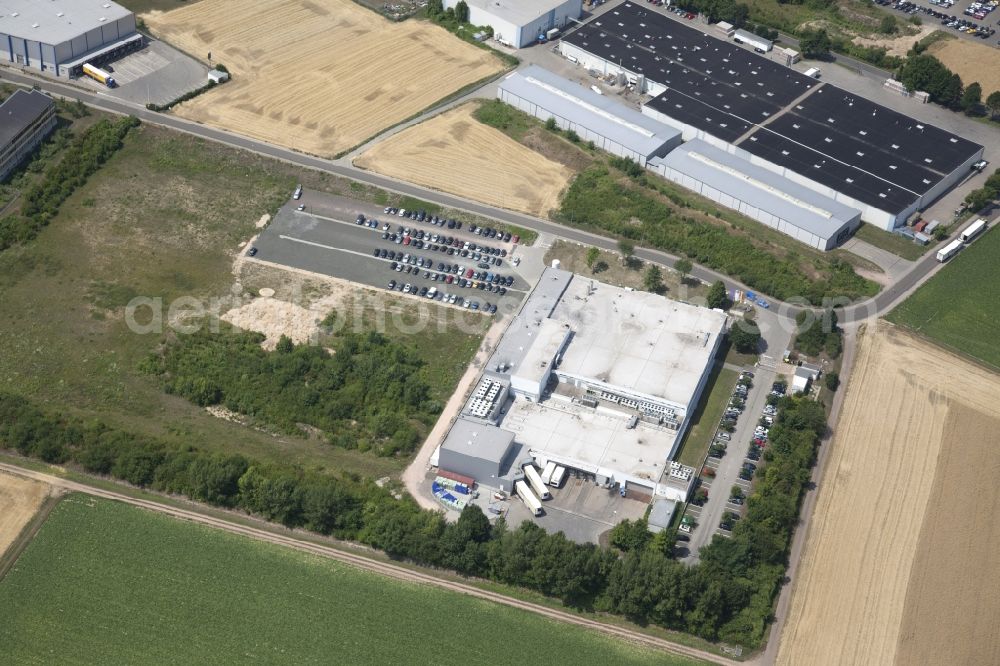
column 960, row 306
column 108, row 583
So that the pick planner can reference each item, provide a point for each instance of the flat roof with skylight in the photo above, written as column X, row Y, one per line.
column 57, row 21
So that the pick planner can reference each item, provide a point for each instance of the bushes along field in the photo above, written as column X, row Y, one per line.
column 728, row 596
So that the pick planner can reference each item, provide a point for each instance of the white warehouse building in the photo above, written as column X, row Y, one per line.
column 773, row 200
column 612, row 126
column 59, row 36
column 518, row 23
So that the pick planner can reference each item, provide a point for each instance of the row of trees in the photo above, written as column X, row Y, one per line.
column 370, row 394
column 728, row 596
column 981, row 197
column 599, row 200
column 83, row 157
column 819, row 334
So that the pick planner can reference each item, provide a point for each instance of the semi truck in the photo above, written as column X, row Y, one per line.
column 949, row 250
column 557, row 477
column 528, row 497
column 973, row 230
column 99, row 75
column 531, row 474
column 547, row 472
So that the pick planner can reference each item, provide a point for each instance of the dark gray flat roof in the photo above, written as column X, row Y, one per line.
column 19, row 111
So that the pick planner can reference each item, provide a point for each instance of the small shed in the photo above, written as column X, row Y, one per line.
column 800, row 381
column 726, row 29
column 215, row 76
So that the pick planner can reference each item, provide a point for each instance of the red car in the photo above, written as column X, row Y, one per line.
column 689, row 16
column 406, row 241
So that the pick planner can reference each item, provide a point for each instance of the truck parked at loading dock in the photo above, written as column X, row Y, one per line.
column 99, row 75
column 531, row 474
column 528, row 497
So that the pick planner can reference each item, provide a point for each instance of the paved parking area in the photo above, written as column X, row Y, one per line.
column 325, row 239
column 581, row 510
column 159, row 73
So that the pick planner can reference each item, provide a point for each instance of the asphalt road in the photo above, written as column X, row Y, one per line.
column 851, row 311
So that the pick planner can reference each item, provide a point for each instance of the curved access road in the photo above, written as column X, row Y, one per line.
column 851, row 311
column 373, row 565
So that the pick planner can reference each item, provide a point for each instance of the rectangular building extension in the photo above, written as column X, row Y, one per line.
column 771, row 199
column 612, row 126
column 518, row 23
column 486, row 453
column 882, row 162
column 59, row 36
column 26, row 118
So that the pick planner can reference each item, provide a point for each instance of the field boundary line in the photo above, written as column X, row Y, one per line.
column 9, row 558
column 370, row 564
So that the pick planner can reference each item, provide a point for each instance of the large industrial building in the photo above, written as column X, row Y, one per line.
column 762, row 195
column 26, row 118
column 518, row 23
column 59, row 36
column 599, row 379
column 611, row 125
column 861, row 154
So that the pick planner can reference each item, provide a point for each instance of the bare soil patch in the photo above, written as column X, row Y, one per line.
column 899, row 45
column 953, row 597
column 20, row 498
column 456, row 153
column 859, row 596
column 970, row 60
column 318, row 76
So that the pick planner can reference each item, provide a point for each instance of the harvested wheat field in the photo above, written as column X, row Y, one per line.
column 319, row 76
column 456, row 153
column 970, row 60
column 20, row 498
column 904, row 527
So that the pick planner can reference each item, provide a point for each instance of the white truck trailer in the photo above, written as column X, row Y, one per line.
column 528, row 497
column 557, row 477
column 949, row 250
column 531, row 474
column 547, row 472
column 973, row 230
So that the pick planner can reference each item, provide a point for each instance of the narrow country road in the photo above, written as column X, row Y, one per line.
column 372, row 565
column 854, row 312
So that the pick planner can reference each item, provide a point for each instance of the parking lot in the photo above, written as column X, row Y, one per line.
column 580, row 509
column 328, row 237
column 158, row 73
column 967, row 18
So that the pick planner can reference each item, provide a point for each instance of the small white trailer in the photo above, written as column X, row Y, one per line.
column 557, row 477
column 531, row 474
column 973, row 230
column 528, row 497
column 547, row 472
column 949, row 250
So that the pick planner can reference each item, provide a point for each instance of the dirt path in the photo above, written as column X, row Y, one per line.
column 376, row 566
column 865, row 545
column 455, row 153
column 413, row 475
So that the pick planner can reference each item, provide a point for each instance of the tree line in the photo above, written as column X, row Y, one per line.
column 369, row 395
column 728, row 596
column 43, row 199
column 597, row 199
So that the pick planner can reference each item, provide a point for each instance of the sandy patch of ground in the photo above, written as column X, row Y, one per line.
column 970, row 60
column 866, row 553
column 299, row 319
column 20, row 498
column 456, row 153
column 318, row 76
column 898, row 46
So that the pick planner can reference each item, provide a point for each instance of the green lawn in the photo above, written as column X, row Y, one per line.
column 107, row 583
column 898, row 245
column 960, row 306
column 707, row 417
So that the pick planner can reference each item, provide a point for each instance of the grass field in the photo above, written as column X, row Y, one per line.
column 973, row 61
column 905, row 521
column 163, row 218
column 959, row 306
column 455, row 153
column 898, row 245
column 318, row 76
column 99, row 574
column 706, row 418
